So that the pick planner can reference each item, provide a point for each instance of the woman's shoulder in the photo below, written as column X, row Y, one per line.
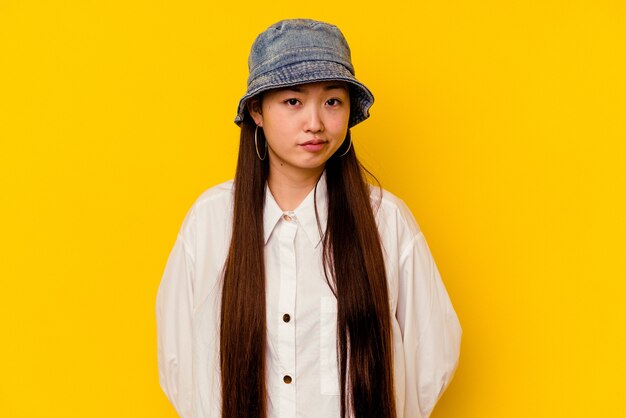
column 212, row 204
column 215, row 197
column 390, row 209
column 211, row 211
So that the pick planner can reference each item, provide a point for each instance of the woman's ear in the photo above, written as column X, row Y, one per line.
column 254, row 108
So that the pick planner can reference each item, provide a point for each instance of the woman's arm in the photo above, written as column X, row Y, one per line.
column 430, row 329
column 174, row 327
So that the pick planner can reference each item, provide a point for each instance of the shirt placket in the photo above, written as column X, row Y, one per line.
column 286, row 306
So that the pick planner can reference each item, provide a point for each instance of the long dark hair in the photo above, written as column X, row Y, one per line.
column 355, row 271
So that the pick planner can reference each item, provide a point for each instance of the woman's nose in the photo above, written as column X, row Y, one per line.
column 314, row 121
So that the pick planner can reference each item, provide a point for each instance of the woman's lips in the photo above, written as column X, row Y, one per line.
column 313, row 145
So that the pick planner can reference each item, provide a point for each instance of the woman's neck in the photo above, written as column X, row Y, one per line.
column 291, row 188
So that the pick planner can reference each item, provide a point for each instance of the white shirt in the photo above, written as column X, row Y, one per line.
column 425, row 329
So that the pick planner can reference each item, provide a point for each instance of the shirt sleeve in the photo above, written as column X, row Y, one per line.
column 430, row 329
column 174, row 309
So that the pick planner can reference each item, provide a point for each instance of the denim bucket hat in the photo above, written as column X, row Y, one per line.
column 299, row 51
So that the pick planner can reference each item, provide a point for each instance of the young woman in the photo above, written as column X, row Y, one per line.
column 299, row 290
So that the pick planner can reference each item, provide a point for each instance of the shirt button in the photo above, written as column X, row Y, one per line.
column 287, row 379
column 286, row 317
column 287, row 218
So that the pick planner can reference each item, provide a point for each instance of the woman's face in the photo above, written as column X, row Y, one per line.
column 304, row 125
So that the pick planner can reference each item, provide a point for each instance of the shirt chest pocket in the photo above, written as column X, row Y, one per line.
column 329, row 376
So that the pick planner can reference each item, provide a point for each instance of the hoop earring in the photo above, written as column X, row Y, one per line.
column 256, row 145
column 349, row 145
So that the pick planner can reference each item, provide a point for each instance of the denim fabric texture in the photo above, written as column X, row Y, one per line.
column 299, row 51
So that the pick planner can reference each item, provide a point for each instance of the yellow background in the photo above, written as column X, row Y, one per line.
column 501, row 124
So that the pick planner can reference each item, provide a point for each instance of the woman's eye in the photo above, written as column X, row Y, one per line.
column 333, row 102
column 291, row 102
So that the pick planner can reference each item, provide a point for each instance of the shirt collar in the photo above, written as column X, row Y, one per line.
column 304, row 214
